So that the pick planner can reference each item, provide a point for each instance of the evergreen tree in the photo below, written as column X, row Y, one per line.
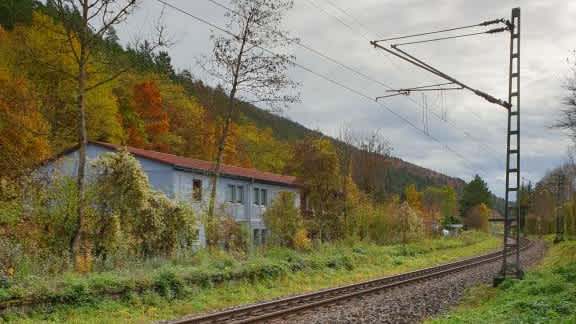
column 13, row 12
column 476, row 192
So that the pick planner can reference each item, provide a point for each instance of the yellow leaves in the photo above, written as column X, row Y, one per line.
column 414, row 198
column 315, row 160
column 261, row 148
column 10, row 269
column 23, row 130
column 45, row 45
column 101, row 111
column 477, row 217
column 83, row 260
column 301, row 241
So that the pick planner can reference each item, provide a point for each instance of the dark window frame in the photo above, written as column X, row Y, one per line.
column 231, row 193
column 235, row 194
column 263, row 236
column 263, row 197
column 256, row 195
column 260, row 197
column 240, row 194
column 197, row 190
column 256, row 234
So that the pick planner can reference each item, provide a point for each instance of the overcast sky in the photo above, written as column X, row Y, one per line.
column 474, row 128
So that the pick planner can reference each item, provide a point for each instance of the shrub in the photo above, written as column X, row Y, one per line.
column 223, row 231
column 301, row 241
column 125, row 219
column 396, row 222
column 477, row 218
column 131, row 214
column 284, row 221
column 168, row 285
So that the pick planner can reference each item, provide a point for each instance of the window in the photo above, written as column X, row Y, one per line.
column 231, row 193
column 260, row 197
column 256, row 196
column 239, row 194
column 256, row 236
column 197, row 190
column 264, row 233
column 263, row 197
column 235, row 194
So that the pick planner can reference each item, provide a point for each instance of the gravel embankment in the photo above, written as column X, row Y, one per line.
column 413, row 303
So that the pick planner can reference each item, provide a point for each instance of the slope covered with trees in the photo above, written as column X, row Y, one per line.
column 150, row 105
column 353, row 190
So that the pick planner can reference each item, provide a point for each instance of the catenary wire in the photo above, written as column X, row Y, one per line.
column 485, row 23
column 387, row 56
column 345, row 12
column 337, row 83
column 355, row 71
column 450, row 37
column 434, row 113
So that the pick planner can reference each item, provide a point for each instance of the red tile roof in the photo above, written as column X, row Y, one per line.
column 185, row 162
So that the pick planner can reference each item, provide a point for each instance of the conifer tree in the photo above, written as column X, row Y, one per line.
column 475, row 192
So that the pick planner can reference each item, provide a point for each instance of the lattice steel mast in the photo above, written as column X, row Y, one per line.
column 511, row 266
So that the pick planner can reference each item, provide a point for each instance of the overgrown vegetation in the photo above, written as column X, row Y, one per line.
column 285, row 223
column 551, row 202
column 150, row 105
column 163, row 288
column 114, row 229
column 547, row 295
column 124, row 219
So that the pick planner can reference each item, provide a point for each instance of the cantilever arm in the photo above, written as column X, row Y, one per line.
column 425, row 66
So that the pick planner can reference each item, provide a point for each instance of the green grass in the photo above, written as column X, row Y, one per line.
column 546, row 295
column 176, row 290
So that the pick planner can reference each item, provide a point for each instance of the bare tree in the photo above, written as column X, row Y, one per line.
column 568, row 119
column 375, row 153
column 86, row 22
column 346, row 152
column 247, row 68
column 348, row 138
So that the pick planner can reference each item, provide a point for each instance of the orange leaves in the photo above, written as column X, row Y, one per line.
column 3, row 35
column 23, row 130
column 149, row 105
column 144, row 117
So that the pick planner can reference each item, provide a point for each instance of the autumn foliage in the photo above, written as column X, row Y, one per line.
column 148, row 104
column 152, row 106
column 24, row 132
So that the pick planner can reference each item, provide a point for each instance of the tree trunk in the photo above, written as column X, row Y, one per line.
column 226, row 130
column 82, row 139
column 220, row 155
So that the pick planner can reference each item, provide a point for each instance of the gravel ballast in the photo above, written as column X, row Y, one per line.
column 414, row 302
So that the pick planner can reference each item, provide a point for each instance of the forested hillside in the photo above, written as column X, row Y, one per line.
column 146, row 104
column 399, row 173
column 64, row 81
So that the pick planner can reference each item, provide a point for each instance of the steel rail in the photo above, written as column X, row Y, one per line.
column 299, row 303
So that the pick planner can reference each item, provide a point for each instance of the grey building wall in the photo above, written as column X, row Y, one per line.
column 178, row 184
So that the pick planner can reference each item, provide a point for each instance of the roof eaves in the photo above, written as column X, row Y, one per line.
column 237, row 176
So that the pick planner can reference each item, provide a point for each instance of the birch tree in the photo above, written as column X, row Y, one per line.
column 86, row 22
column 250, row 64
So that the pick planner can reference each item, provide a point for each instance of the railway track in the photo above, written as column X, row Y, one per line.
column 300, row 303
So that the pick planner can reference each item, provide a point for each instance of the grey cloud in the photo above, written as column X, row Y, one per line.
column 547, row 39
